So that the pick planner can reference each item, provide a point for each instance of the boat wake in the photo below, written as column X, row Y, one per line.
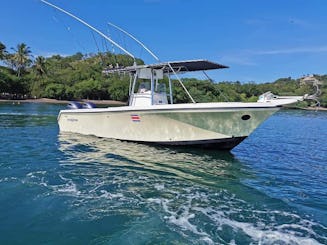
column 186, row 197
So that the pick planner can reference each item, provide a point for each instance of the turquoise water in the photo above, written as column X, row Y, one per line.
column 73, row 189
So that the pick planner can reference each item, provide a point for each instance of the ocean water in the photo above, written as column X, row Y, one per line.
column 59, row 188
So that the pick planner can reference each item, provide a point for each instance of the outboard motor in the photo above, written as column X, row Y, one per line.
column 74, row 105
column 88, row 105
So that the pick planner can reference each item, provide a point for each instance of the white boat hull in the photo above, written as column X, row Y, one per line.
column 203, row 125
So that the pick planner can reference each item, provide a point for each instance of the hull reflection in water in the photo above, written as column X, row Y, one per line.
column 150, row 195
column 180, row 162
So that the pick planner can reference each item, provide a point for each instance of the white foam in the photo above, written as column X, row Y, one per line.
column 158, row 201
column 159, row 187
column 6, row 179
column 181, row 220
column 35, row 174
column 106, row 194
column 69, row 187
column 232, row 242
column 194, row 203
column 43, row 182
column 263, row 235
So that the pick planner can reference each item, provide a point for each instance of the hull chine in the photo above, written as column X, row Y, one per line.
column 220, row 144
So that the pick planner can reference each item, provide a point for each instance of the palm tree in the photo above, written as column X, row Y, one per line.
column 40, row 70
column 3, row 51
column 40, row 66
column 21, row 58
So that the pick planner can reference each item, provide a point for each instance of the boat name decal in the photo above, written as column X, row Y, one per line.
column 72, row 119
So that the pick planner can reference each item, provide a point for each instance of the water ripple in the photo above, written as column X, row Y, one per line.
column 70, row 188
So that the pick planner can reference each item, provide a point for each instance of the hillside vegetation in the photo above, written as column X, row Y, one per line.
column 80, row 77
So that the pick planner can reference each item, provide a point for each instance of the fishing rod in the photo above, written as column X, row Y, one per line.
column 91, row 27
column 136, row 40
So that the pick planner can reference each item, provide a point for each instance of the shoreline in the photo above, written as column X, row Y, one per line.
column 306, row 108
column 54, row 101
column 313, row 108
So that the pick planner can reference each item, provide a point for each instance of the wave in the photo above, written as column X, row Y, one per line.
column 195, row 211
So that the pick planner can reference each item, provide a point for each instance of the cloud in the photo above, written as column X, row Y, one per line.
column 277, row 21
column 248, row 57
column 239, row 59
column 298, row 50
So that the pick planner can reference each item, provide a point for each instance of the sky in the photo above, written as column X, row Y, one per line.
column 260, row 40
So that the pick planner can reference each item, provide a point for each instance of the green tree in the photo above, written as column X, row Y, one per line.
column 38, row 76
column 40, row 66
column 88, row 89
column 54, row 91
column 21, row 59
column 3, row 51
column 4, row 78
column 118, row 88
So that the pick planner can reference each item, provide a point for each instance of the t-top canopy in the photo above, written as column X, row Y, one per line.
column 178, row 66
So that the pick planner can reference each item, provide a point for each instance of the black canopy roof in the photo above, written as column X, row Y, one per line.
column 178, row 66
column 189, row 65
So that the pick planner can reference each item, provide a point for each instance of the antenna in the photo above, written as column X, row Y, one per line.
column 91, row 27
column 135, row 39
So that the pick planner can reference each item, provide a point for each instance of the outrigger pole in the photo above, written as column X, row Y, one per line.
column 136, row 40
column 116, row 44
column 91, row 27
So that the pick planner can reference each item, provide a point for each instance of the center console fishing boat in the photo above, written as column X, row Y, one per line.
column 152, row 117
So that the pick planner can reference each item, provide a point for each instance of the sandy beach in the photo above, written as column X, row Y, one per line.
column 314, row 109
